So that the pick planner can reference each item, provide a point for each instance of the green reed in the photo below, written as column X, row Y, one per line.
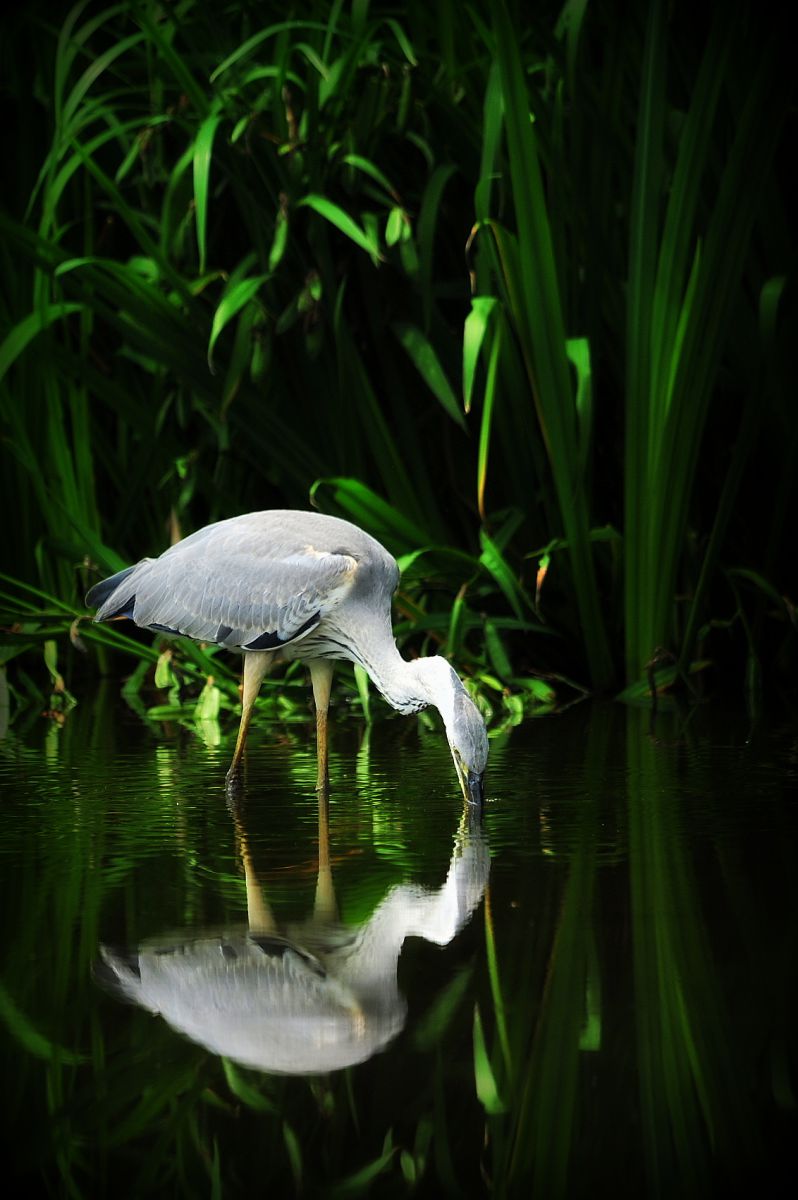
column 480, row 284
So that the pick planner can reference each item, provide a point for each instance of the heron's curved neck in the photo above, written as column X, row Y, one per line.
column 410, row 686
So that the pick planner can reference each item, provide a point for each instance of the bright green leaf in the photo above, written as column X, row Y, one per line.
column 203, row 148
column 476, row 325
column 230, row 305
column 343, row 222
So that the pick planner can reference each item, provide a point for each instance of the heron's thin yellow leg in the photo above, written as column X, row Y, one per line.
column 256, row 665
column 321, row 673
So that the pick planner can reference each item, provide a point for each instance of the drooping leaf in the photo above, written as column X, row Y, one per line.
column 26, row 330
column 342, row 221
column 366, row 508
column 421, row 352
column 203, row 151
column 230, row 305
column 245, row 1091
column 497, row 566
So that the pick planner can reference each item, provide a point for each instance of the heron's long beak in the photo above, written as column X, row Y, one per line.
column 470, row 783
column 474, row 788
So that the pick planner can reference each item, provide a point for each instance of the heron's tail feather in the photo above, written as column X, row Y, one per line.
column 110, row 597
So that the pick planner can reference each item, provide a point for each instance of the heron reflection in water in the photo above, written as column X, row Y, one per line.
column 315, row 997
column 280, row 585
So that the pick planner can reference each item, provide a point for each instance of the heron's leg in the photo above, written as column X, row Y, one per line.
column 321, row 673
column 256, row 665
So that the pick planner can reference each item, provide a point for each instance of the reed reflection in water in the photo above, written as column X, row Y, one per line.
column 616, row 1016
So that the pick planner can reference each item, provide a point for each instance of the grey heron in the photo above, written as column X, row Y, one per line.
column 283, row 584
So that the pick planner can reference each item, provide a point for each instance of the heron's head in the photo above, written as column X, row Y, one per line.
column 465, row 727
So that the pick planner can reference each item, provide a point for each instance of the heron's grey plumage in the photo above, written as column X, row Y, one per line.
column 470, row 731
column 299, row 585
column 245, row 578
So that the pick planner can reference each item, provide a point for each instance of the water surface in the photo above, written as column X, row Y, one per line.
column 591, row 989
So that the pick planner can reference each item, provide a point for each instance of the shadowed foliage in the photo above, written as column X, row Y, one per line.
column 511, row 291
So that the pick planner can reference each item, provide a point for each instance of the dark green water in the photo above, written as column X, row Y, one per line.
column 619, row 935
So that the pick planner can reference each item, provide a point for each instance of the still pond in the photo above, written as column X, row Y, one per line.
column 590, row 991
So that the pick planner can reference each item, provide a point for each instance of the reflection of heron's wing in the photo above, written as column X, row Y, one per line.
column 263, row 1001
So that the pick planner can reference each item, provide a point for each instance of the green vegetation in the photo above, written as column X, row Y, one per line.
column 616, row 1019
column 510, row 293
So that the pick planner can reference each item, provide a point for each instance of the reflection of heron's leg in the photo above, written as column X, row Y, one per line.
column 321, row 673
column 259, row 914
column 256, row 664
column 324, row 908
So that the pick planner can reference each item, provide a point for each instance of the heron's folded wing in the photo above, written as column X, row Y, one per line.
column 236, row 591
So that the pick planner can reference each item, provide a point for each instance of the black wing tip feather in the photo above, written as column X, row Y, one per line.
column 97, row 595
column 272, row 641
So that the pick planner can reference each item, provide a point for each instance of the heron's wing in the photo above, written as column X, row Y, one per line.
column 227, row 584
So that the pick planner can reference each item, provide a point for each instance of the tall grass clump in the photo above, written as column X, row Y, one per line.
column 508, row 289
